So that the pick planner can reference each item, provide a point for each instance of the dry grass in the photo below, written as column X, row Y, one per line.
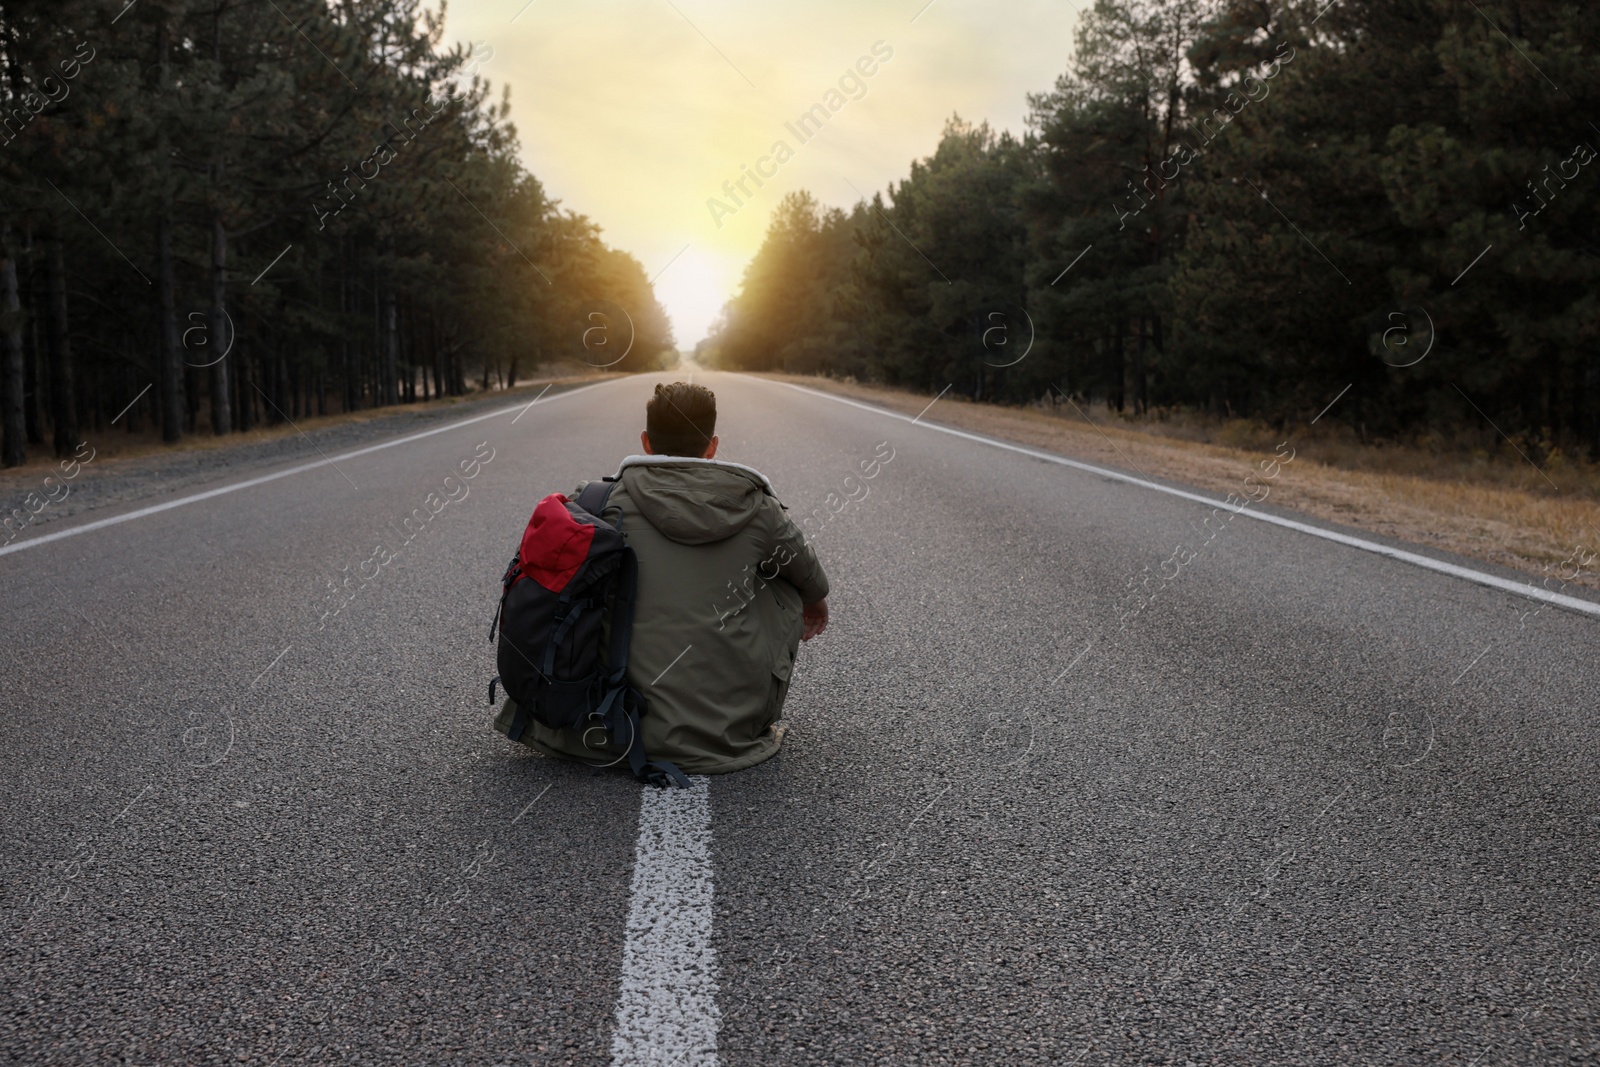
column 114, row 444
column 1492, row 505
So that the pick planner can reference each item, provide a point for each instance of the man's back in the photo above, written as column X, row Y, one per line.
column 723, row 573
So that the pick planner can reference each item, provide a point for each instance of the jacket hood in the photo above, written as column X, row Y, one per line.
column 694, row 501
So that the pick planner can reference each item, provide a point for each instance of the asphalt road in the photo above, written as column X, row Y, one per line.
column 1280, row 801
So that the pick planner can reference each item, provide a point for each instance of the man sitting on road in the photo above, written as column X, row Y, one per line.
column 728, row 588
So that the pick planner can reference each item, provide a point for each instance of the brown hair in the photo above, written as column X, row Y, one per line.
column 680, row 419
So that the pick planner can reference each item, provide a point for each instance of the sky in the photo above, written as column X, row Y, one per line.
column 636, row 112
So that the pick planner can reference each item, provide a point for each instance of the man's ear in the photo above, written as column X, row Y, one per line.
column 711, row 450
column 644, row 439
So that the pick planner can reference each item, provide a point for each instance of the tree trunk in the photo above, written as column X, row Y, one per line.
column 1140, row 403
column 95, row 409
column 221, row 332
column 377, row 340
column 1116, row 372
column 169, row 372
column 1552, row 399
column 436, row 340
column 280, row 388
column 267, row 365
column 1593, row 374
column 244, row 411
column 221, row 339
column 391, row 345
column 32, row 417
column 1156, row 341
column 130, row 385
column 33, row 368
column 14, row 439
column 191, row 398
column 63, row 405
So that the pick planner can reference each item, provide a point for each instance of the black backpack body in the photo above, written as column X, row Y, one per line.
column 572, row 573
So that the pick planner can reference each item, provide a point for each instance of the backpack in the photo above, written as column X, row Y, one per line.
column 572, row 570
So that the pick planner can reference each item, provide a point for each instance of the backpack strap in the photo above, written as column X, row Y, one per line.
column 621, row 710
column 595, row 494
column 661, row 773
column 593, row 500
column 574, row 612
column 624, row 704
column 627, row 595
column 519, row 720
column 513, row 572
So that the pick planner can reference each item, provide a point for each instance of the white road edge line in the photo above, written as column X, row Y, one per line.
column 667, row 1008
column 1527, row 589
column 33, row 542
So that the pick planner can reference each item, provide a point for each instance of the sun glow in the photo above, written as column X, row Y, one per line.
column 693, row 289
column 639, row 113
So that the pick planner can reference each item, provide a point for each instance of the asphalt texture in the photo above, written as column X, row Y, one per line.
column 1277, row 801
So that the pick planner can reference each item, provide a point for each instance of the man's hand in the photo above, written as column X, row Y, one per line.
column 816, row 619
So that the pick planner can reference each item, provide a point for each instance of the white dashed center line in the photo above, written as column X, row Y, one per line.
column 667, row 1011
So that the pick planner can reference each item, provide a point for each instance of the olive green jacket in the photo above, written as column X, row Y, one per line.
column 723, row 573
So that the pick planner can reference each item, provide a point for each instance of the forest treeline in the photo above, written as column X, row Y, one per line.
column 263, row 209
column 1240, row 207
